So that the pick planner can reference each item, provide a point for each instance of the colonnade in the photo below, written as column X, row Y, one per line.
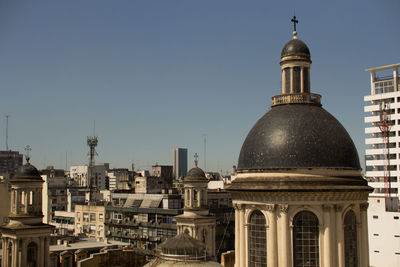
column 280, row 231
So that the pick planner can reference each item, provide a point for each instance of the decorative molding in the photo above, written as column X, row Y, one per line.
column 364, row 206
column 338, row 208
column 326, row 208
column 270, row 207
column 284, row 208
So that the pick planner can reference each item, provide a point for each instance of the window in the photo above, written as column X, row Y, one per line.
column 101, row 216
column 78, row 216
column 350, row 239
column 85, row 217
column 305, row 239
column 92, row 217
column 257, row 238
column 375, row 217
column 296, row 79
column 32, row 254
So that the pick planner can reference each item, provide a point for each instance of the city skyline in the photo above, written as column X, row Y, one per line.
column 160, row 75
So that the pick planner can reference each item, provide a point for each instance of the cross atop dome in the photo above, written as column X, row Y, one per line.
column 28, row 150
column 295, row 21
column 196, row 159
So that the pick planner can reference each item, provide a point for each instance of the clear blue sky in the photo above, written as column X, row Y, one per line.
column 155, row 75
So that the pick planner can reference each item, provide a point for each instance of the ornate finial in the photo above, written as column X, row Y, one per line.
column 196, row 161
column 28, row 150
column 295, row 21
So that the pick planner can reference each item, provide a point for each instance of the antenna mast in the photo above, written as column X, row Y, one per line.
column 7, row 131
column 92, row 142
column 205, row 150
column 385, row 125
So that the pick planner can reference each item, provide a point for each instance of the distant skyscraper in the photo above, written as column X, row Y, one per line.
column 180, row 162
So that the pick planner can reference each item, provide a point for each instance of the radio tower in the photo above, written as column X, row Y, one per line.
column 92, row 143
column 385, row 125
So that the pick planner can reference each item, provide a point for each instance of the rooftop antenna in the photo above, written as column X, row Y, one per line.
column 7, row 116
column 92, row 142
column 205, row 151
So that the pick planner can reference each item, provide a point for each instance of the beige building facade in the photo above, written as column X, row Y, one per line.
column 25, row 239
column 196, row 220
column 89, row 220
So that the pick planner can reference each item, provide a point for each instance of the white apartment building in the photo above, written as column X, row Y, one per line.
column 383, row 215
column 80, row 173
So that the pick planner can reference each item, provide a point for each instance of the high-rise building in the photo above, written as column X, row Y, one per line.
column 10, row 162
column 299, row 196
column 382, row 161
column 384, row 101
column 180, row 157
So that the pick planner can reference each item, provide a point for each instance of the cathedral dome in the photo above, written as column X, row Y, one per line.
column 27, row 171
column 196, row 174
column 295, row 47
column 298, row 136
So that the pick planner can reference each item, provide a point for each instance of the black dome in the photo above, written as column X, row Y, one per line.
column 298, row 136
column 27, row 171
column 295, row 47
column 196, row 174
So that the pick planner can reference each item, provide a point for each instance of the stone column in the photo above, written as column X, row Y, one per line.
column 302, row 79
column 26, row 202
column 339, row 235
column 237, row 234
column 283, row 81
column 327, row 259
column 272, row 247
column 284, row 247
column 17, row 202
column 23, row 254
column 15, row 253
column 364, row 251
column 242, row 236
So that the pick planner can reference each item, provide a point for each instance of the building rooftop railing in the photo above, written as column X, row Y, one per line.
column 296, row 98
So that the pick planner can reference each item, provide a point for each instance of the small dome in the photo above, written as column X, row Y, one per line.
column 298, row 136
column 27, row 171
column 196, row 174
column 295, row 47
column 182, row 246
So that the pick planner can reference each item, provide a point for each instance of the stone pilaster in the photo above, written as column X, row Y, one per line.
column 284, row 248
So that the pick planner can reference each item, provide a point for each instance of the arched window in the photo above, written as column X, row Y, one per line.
column 305, row 239
column 32, row 252
column 257, row 238
column 350, row 239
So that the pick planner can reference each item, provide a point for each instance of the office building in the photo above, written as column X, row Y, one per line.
column 180, row 164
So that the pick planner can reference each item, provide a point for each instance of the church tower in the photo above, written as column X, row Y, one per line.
column 196, row 220
column 299, row 196
column 25, row 239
